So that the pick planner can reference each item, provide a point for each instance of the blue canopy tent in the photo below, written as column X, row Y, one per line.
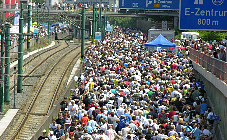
column 46, row 27
column 159, row 42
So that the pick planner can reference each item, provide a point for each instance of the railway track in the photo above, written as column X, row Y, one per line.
column 38, row 60
column 44, row 97
column 47, row 52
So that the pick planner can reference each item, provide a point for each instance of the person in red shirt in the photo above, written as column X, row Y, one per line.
column 174, row 66
column 172, row 113
column 84, row 119
column 137, row 123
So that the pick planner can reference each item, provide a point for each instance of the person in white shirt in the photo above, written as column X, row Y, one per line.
column 73, row 108
column 120, row 111
column 120, row 100
column 206, row 131
column 53, row 126
column 162, row 107
column 52, row 136
column 90, row 110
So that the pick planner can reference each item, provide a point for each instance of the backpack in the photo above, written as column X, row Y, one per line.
column 95, row 113
column 117, row 129
column 162, row 118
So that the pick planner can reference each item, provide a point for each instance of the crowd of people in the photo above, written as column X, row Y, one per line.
column 213, row 49
column 127, row 93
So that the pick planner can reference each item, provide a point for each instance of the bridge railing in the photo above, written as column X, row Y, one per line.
column 53, row 7
column 211, row 64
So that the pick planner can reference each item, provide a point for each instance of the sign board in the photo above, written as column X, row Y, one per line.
column 164, row 25
column 109, row 28
column 215, row 118
column 149, row 4
column 97, row 35
column 36, row 31
column 203, row 14
column 52, row 29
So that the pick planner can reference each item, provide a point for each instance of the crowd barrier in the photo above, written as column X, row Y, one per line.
column 211, row 64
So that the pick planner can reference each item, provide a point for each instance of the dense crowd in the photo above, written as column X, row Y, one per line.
column 126, row 93
column 213, row 49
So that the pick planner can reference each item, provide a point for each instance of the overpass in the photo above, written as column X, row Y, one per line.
column 135, row 13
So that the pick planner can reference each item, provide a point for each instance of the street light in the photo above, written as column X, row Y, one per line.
column 14, row 94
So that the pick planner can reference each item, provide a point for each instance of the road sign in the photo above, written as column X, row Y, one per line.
column 109, row 28
column 149, row 4
column 97, row 35
column 203, row 14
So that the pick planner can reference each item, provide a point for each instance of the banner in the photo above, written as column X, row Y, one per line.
column 97, row 35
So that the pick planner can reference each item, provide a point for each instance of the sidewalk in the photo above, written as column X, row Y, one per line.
column 5, row 121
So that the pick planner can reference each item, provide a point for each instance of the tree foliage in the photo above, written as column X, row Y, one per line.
column 127, row 22
column 205, row 35
column 39, row 1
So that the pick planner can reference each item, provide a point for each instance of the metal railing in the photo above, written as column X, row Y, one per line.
column 52, row 7
column 213, row 65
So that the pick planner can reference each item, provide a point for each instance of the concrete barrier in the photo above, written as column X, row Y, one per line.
column 216, row 91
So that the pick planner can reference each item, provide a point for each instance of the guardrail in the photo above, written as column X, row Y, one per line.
column 213, row 65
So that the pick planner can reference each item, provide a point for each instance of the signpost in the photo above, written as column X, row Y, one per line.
column 164, row 25
column 149, row 4
column 97, row 35
column 203, row 15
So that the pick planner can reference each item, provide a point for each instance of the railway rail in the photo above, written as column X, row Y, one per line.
column 44, row 97
column 37, row 56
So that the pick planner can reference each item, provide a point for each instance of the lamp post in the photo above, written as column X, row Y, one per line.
column 20, row 52
column 48, row 23
column 7, row 63
column 29, row 25
column 14, row 93
column 93, row 24
column 2, row 69
column 82, row 32
column 37, row 17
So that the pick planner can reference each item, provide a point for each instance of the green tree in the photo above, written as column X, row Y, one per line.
column 127, row 22
column 39, row 1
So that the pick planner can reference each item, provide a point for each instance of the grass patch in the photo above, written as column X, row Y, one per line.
column 5, row 109
column 42, row 43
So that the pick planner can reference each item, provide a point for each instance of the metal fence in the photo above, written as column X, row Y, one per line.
column 213, row 65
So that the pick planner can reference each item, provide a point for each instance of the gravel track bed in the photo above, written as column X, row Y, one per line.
column 23, row 99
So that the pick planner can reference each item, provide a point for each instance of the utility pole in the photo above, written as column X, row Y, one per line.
column 20, row 52
column 93, row 24
column 29, row 25
column 100, row 18
column 7, row 63
column 48, row 23
column 2, row 69
column 80, row 27
column 96, row 20
column 37, row 17
column 104, row 30
column 83, row 32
